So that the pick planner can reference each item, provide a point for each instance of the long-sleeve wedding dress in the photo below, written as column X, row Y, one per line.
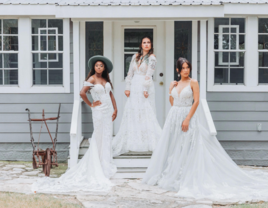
column 139, row 130
column 92, row 173
column 194, row 164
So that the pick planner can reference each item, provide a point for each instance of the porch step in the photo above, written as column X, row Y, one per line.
column 129, row 165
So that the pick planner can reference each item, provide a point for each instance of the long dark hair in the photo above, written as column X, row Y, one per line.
column 151, row 51
column 180, row 62
column 105, row 73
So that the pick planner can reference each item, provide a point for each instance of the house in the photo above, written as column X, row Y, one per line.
column 45, row 45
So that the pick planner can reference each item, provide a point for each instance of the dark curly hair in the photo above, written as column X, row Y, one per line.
column 180, row 62
column 105, row 73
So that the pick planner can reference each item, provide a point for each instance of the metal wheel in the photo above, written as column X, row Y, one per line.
column 48, row 160
column 44, row 161
column 34, row 163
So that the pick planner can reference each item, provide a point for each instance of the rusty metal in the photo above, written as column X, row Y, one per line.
column 44, row 158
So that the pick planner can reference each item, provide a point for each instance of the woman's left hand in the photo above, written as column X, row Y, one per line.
column 114, row 115
column 185, row 125
column 145, row 93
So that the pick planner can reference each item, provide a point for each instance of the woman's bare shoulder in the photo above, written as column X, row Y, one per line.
column 91, row 79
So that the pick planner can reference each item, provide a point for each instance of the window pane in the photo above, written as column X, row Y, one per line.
column 220, row 21
column 233, row 30
column 55, row 77
column 216, row 41
column 127, row 61
column 225, row 30
column 236, row 75
column 221, row 75
column 55, row 64
column 94, row 40
column 10, row 26
column 10, row 61
column 263, row 59
column 225, row 42
column 0, row 43
column 43, row 31
column 35, row 43
column 53, row 31
column 240, row 22
column 43, row 43
column 0, row 26
column 263, row 41
column 183, row 42
column 38, row 23
column 133, row 38
column 241, row 42
column 1, row 63
column 221, row 58
column 263, row 25
column 11, row 77
column 51, row 43
column 233, row 41
column 36, row 62
column 39, row 77
column 237, row 59
column 1, row 77
column 10, row 43
column 60, row 42
column 263, row 75
column 56, row 23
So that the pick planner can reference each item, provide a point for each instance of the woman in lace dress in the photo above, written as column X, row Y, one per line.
column 93, row 171
column 191, row 161
column 139, row 130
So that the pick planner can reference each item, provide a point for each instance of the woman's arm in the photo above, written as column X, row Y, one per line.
column 129, row 76
column 195, row 88
column 83, row 93
column 171, row 86
column 149, row 74
column 114, row 105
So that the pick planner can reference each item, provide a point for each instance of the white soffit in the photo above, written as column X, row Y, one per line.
column 128, row 2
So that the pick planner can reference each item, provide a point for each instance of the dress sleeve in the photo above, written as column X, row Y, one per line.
column 150, row 71
column 91, row 90
column 130, row 73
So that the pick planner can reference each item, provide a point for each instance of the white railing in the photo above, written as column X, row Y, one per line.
column 206, row 118
column 75, row 133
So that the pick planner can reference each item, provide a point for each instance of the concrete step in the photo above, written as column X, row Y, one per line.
column 130, row 173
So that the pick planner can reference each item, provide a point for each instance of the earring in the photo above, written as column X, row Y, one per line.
column 179, row 75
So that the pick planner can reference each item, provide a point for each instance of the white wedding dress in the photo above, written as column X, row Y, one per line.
column 139, row 130
column 194, row 164
column 93, row 171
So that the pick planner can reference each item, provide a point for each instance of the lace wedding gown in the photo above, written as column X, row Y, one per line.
column 93, row 171
column 194, row 164
column 139, row 130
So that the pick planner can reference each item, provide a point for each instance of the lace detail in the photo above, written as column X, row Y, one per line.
column 139, row 130
column 147, row 68
column 194, row 164
column 93, row 171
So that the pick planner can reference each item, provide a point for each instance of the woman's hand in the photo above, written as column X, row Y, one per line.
column 94, row 104
column 127, row 93
column 172, row 85
column 145, row 93
column 114, row 115
column 185, row 125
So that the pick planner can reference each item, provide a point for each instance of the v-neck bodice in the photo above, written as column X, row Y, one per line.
column 185, row 98
column 100, row 92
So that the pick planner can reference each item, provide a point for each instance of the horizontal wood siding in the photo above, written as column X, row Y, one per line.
column 236, row 116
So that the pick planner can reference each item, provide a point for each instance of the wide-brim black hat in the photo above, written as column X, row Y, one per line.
column 105, row 60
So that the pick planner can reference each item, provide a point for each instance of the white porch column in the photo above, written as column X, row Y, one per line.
column 203, row 58
column 76, row 115
column 194, row 49
column 108, row 43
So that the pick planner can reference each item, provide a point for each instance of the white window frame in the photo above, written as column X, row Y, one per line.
column 25, row 70
column 251, row 60
column 2, row 51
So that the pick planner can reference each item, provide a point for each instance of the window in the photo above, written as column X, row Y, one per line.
column 263, row 50
column 183, row 42
column 47, row 51
column 9, row 52
column 94, row 41
column 229, row 50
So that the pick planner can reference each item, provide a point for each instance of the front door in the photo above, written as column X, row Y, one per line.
column 127, row 36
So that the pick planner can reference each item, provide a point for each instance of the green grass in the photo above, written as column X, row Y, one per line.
column 15, row 200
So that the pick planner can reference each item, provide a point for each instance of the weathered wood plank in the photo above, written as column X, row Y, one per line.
column 35, row 108
column 237, row 96
column 239, row 125
column 239, row 116
column 238, row 106
column 242, row 136
column 25, row 137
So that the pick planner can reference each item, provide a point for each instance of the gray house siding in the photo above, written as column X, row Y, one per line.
column 236, row 115
column 14, row 127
